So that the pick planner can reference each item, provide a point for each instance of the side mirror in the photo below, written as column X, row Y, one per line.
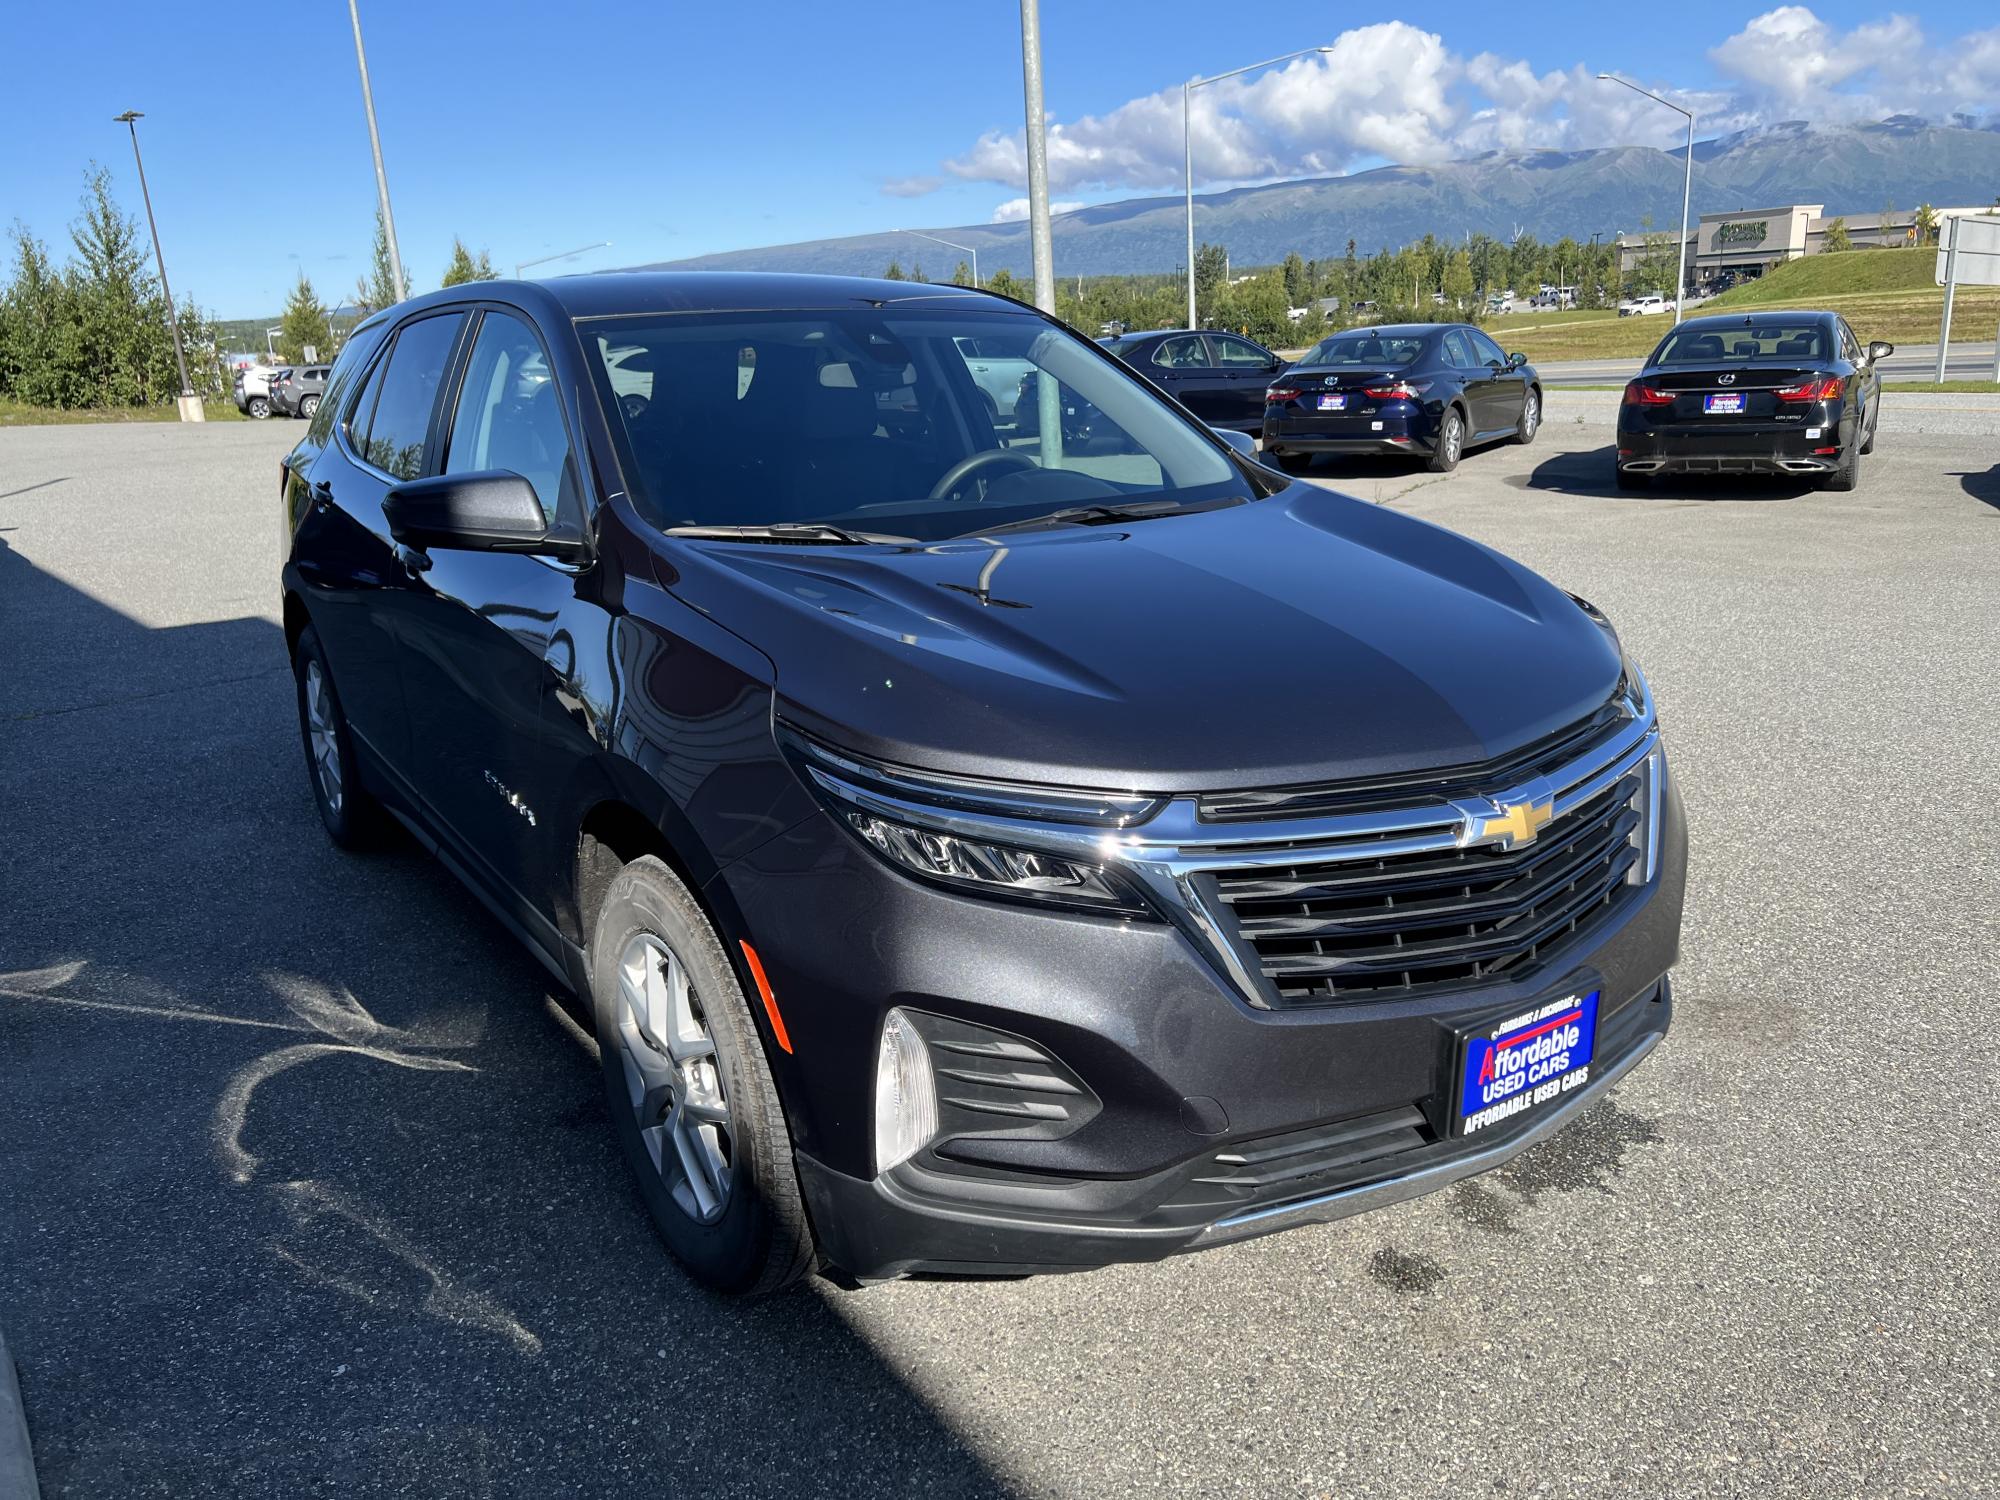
column 491, row 511
column 1516, row 360
column 1242, row 442
column 1880, row 350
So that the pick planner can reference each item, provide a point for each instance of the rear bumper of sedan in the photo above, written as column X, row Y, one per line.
column 1398, row 428
column 1105, row 1094
column 1788, row 447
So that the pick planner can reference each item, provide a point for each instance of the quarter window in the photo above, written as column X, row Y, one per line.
column 408, row 393
column 508, row 416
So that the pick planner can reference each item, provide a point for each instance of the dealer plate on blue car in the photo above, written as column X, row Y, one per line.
column 1723, row 404
column 1333, row 403
column 1526, row 1062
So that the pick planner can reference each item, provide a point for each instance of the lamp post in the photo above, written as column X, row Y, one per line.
column 190, row 405
column 375, row 144
column 1187, row 147
column 542, row 260
column 952, row 245
column 1687, row 186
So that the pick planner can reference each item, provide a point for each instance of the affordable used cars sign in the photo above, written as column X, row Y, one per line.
column 1526, row 1061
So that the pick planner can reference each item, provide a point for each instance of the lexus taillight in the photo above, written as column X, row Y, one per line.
column 1638, row 393
column 1826, row 389
column 1283, row 393
column 1402, row 390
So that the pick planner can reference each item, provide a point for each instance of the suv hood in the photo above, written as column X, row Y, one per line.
column 1306, row 637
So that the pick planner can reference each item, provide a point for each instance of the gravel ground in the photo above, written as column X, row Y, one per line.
column 306, row 1187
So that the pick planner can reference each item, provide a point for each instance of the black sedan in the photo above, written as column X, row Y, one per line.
column 1431, row 390
column 1762, row 393
column 1220, row 377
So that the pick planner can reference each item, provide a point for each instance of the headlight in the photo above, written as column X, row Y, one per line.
column 1003, row 839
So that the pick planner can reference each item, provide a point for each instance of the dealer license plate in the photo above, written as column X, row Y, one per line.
column 1333, row 403
column 1723, row 404
column 1525, row 1063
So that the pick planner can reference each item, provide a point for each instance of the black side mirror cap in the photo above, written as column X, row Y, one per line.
column 1516, row 360
column 494, row 510
column 1880, row 350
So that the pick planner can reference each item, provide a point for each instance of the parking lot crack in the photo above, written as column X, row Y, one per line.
column 122, row 699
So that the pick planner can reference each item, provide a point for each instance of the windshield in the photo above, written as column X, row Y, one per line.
column 1704, row 346
column 898, row 423
column 1378, row 351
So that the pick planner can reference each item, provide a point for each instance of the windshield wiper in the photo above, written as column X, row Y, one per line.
column 1105, row 515
column 787, row 531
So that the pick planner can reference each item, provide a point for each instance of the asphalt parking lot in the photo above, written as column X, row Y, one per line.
column 306, row 1186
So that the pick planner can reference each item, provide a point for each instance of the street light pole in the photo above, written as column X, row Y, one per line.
column 130, row 120
column 1038, row 163
column 1687, row 187
column 1187, row 148
column 375, row 144
column 952, row 245
column 542, row 260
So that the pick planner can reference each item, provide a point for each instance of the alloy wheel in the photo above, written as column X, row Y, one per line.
column 673, row 1079
column 320, row 736
column 1531, row 415
column 1453, row 435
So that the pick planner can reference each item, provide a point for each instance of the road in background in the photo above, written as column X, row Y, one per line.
column 307, row 1185
column 1968, row 361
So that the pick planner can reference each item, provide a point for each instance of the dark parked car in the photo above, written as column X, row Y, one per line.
column 1426, row 389
column 1220, row 377
column 979, row 856
column 296, row 392
column 1758, row 393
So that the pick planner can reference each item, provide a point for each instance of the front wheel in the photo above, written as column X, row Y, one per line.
column 260, row 407
column 1531, row 417
column 692, row 1099
column 1450, row 442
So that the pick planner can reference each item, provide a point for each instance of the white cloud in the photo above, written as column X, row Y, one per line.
column 1016, row 209
column 1395, row 92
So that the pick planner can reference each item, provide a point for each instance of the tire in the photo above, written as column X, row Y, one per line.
column 1626, row 480
column 1531, row 418
column 308, row 406
column 353, row 818
column 1450, row 442
column 259, row 407
column 720, row 1186
column 1846, row 475
column 1868, row 443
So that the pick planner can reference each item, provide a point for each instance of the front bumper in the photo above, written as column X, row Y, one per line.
column 1214, row 1120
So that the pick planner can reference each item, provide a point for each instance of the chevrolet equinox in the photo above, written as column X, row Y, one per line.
column 986, row 844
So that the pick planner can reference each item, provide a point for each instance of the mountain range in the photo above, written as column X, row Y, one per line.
column 1851, row 169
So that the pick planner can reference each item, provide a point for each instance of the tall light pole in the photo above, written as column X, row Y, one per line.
column 1187, row 147
column 1687, row 186
column 542, row 260
column 375, row 144
column 951, row 244
column 1038, row 163
column 190, row 408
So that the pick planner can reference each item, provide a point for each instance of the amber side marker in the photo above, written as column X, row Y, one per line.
column 764, row 991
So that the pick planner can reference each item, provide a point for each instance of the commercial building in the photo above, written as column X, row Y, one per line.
column 1749, row 241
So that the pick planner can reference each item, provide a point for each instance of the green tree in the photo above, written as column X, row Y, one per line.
column 464, row 267
column 917, row 271
column 122, row 334
column 304, row 323
column 1006, row 284
column 1298, row 282
column 377, row 289
column 1836, row 237
column 1926, row 222
column 1457, row 284
column 40, row 356
column 962, row 276
column 1211, row 273
column 895, row 271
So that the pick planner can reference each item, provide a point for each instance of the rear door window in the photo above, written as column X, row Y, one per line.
column 1485, row 349
column 408, row 379
column 1183, row 353
column 1239, row 354
column 1458, row 350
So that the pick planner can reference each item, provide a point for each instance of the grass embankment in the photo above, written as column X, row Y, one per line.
column 19, row 414
column 1883, row 294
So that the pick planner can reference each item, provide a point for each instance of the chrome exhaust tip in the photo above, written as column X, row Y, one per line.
column 1643, row 465
column 1802, row 466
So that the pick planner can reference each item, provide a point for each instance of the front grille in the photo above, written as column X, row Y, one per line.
column 1351, row 930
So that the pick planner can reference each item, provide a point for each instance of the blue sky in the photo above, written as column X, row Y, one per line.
column 673, row 130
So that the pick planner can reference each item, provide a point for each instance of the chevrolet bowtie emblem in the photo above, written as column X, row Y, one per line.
column 1515, row 823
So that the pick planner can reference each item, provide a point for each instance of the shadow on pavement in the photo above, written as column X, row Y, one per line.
column 1982, row 486
column 309, row 1186
column 1590, row 473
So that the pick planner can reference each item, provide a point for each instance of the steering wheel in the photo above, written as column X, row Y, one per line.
column 635, row 404
column 976, row 463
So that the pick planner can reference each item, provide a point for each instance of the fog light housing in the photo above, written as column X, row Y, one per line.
column 905, row 1093
column 1646, row 803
